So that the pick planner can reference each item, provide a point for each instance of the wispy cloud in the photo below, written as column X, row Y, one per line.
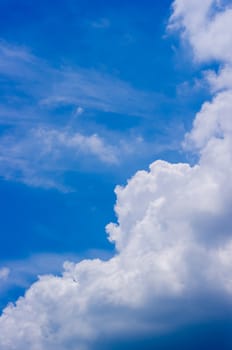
column 34, row 157
column 88, row 88
column 33, row 91
column 101, row 23
column 15, row 61
column 174, row 249
column 94, row 90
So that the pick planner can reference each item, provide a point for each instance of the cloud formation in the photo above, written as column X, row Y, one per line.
column 4, row 273
column 173, row 240
column 43, row 111
column 207, row 27
column 49, row 87
column 33, row 157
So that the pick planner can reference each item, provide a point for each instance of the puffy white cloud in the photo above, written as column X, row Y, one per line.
column 33, row 157
column 221, row 80
column 213, row 121
column 40, row 156
column 207, row 26
column 173, row 241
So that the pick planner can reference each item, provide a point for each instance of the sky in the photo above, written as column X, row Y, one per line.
column 115, row 175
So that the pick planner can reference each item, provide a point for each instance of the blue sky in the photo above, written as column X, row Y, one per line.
column 90, row 93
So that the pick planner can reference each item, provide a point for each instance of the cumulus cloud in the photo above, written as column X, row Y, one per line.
column 50, row 87
column 173, row 240
column 221, row 80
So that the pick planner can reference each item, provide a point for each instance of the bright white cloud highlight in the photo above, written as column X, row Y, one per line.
column 31, row 104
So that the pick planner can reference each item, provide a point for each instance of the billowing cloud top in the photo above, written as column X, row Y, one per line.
column 173, row 236
column 207, row 27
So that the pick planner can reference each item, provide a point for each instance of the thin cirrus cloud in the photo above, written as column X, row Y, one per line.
column 202, row 23
column 174, row 250
column 56, row 151
column 33, row 91
column 83, row 87
column 40, row 156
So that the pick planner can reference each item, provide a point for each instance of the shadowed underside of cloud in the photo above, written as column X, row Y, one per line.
column 173, row 240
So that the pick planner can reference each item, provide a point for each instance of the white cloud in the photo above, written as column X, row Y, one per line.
column 40, row 156
column 174, row 248
column 79, row 111
column 222, row 80
column 214, row 120
column 16, row 62
column 101, row 23
column 98, row 91
column 21, row 272
column 32, row 157
column 207, row 26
